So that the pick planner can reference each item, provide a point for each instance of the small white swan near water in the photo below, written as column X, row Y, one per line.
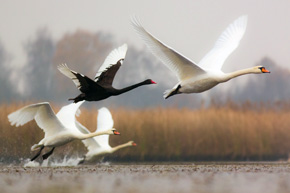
column 99, row 145
column 197, row 78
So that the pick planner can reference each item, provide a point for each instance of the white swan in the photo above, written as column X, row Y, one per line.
column 98, row 145
column 193, row 78
column 56, row 134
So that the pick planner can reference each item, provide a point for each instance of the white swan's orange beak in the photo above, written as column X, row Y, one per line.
column 117, row 133
column 264, row 70
column 134, row 144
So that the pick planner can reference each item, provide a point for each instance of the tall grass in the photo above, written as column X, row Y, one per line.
column 227, row 132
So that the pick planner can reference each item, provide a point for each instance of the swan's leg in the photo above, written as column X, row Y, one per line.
column 45, row 156
column 78, row 98
column 38, row 153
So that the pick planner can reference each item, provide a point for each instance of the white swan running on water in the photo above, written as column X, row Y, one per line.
column 98, row 145
column 56, row 133
column 193, row 78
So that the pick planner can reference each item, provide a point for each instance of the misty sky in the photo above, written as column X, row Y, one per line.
column 189, row 26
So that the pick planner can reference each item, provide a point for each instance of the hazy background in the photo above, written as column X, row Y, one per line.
column 36, row 36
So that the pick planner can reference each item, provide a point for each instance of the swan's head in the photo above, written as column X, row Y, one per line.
column 132, row 143
column 261, row 69
column 149, row 81
column 115, row 132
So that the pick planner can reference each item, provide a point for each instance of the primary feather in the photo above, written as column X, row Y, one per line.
column 43, row 115
column 180, row 65
column 225, row 45
column 112, row 59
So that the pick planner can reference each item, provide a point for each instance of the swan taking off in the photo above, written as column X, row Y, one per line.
column 98, row 145
column 56, row 134
column 193, row 78
column 101, row 87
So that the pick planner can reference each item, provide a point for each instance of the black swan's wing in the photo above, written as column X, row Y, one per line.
column 111, row 65
column 82, row 82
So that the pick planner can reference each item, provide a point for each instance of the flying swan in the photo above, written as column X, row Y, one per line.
column 193, row 78
column 56, row 134
column 101, row 87
column 98, row 145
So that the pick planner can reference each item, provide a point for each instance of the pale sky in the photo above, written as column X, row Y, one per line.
column 189, row 26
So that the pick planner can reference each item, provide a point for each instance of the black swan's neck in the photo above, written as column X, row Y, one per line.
column 126, row 89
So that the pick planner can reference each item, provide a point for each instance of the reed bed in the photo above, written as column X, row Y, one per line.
column 226, row 132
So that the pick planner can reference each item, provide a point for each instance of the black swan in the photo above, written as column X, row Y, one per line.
column 101, row 88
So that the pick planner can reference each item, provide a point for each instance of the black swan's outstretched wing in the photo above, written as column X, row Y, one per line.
column 82, row 82
column 111, row 65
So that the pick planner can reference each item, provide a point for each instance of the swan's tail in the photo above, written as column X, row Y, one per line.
column 167, row 93
column 170, row 92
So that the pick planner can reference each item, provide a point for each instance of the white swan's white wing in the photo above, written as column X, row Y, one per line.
column 104, row 122
column 90, row 143
column 182, row 67
column 112, row 59
column 225, row 45
column 43, row 115
column 67, row 114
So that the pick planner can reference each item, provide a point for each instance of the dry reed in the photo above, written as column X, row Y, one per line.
column 169, row 134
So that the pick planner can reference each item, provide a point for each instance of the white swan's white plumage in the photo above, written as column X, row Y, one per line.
column 112, row 59
column 104, row 121
column 182, row 67
column 44, row 117
column 193, row 78
column 58, row 130
column 67, row 115
column 225, row 45
column 97, row 145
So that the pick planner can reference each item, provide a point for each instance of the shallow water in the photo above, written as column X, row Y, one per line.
column 143, row 178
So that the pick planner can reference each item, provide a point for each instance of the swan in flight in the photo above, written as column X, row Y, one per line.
column 197, row 78
column 101, row 87
column 56, row 134
column 98, row 145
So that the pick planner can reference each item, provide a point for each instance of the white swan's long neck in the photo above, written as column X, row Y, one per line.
column 90, row 135
column 229, row 76
column 120, row 146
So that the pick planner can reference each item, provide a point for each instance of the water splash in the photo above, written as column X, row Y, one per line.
column 71, row 161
